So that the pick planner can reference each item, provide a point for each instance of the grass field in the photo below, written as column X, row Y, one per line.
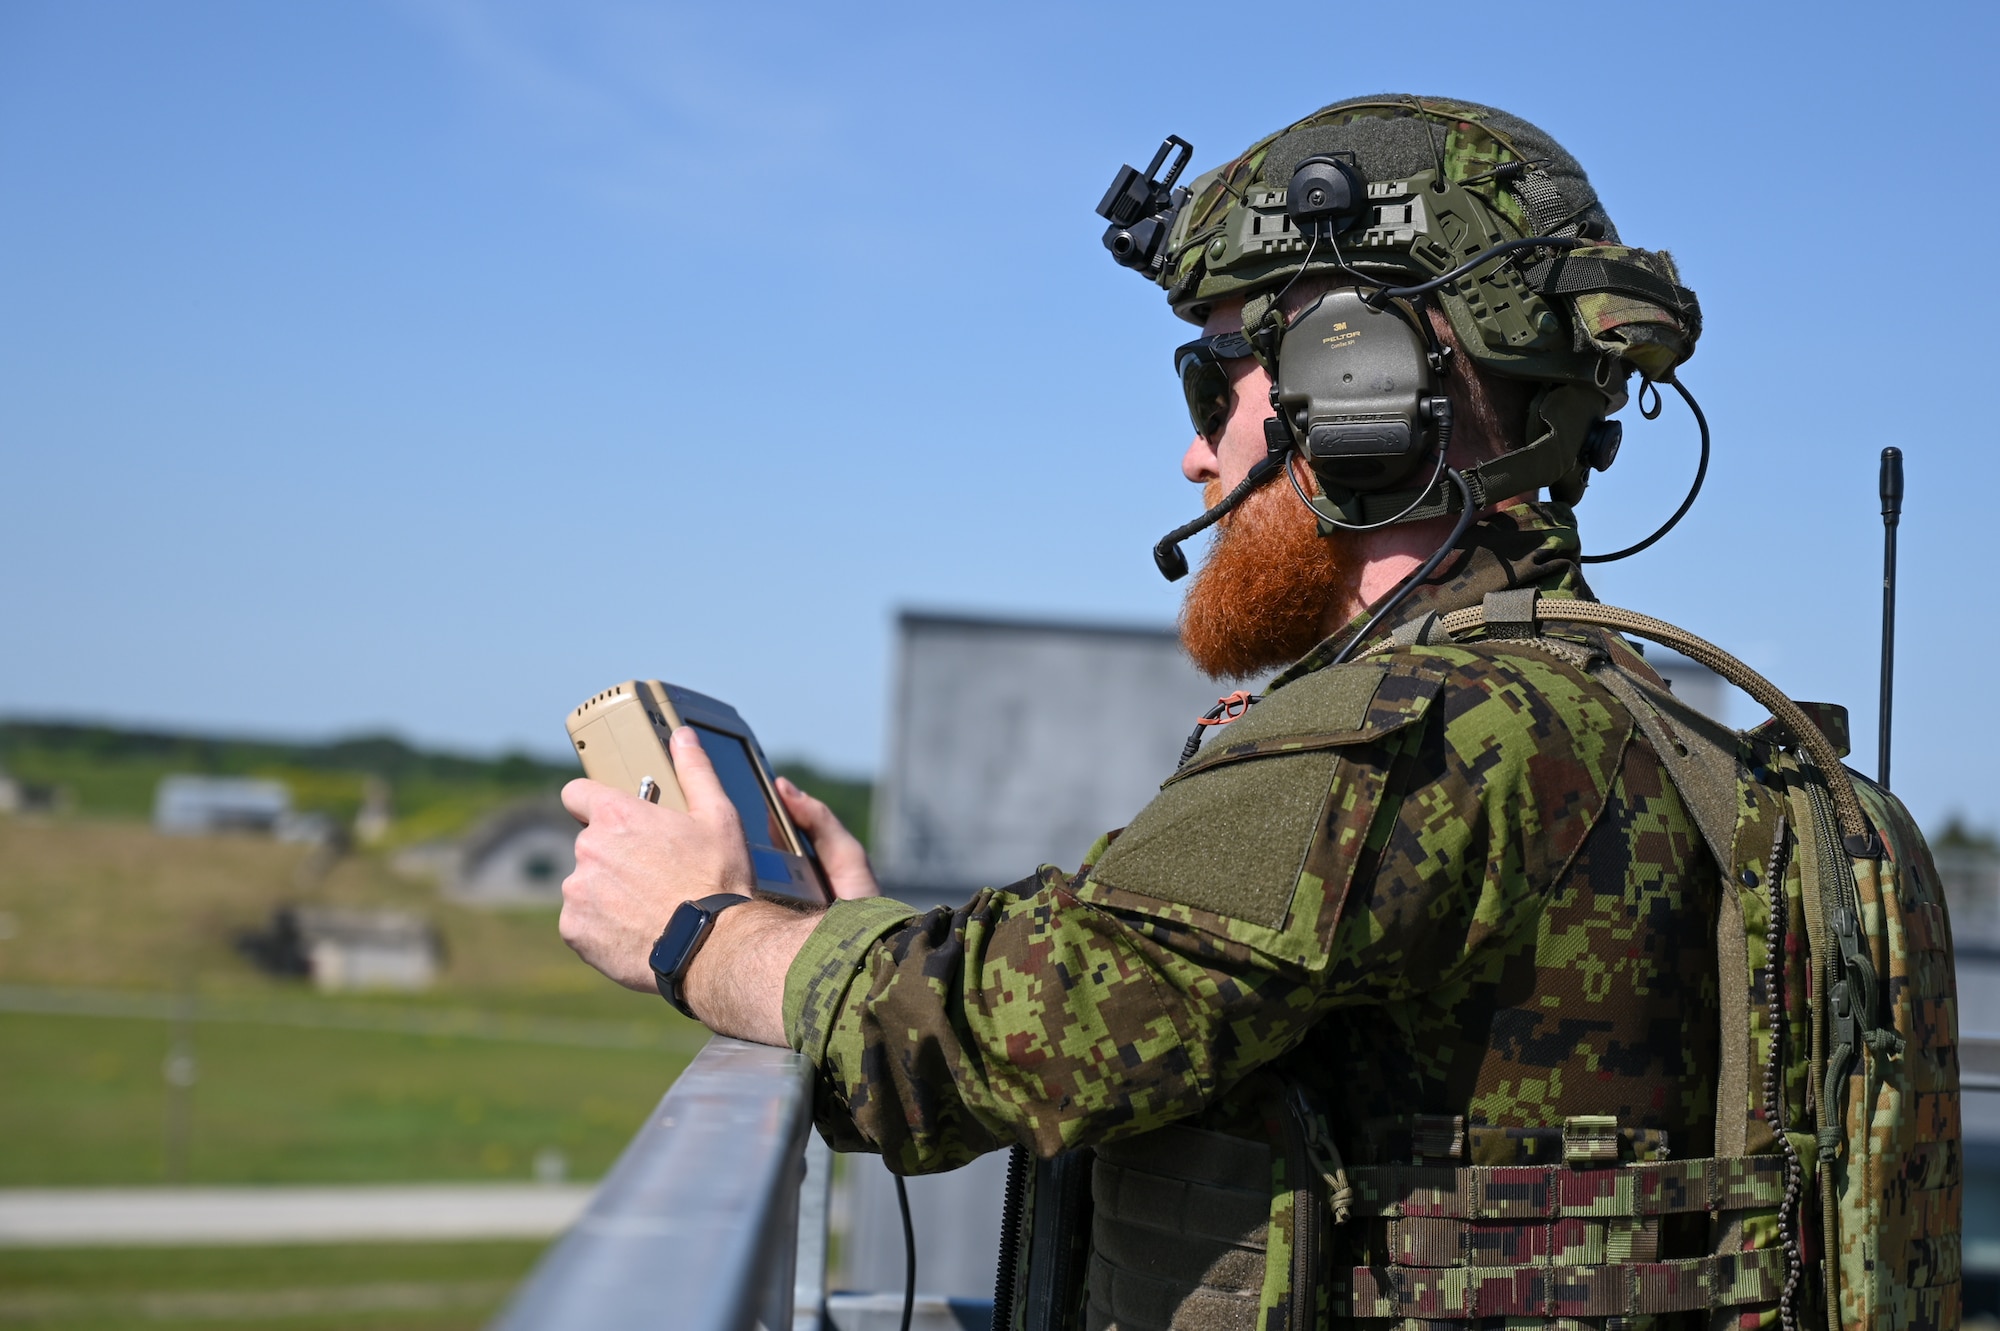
column 375, row 1287
column 86, row 1104
column 107, row 903
column 291, row 1085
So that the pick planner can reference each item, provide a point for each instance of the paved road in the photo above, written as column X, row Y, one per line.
column 159, row 1217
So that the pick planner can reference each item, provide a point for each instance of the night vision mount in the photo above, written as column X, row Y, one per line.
column 1141, row 208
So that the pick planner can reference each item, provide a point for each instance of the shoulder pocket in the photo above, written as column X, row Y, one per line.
column 1230, row 832
column 1328, row 709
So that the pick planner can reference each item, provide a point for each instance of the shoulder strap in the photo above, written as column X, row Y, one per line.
column 1857, row 836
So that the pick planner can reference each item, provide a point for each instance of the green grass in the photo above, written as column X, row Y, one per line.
column 87, row 1101
column 379, row 1287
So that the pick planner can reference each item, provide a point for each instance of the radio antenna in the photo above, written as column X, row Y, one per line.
column 1892, row 514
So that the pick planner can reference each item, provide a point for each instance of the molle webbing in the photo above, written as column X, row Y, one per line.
column 1551, row 1192
column 1626, row 1289
column 1178, row 1232
column 1554, row 1241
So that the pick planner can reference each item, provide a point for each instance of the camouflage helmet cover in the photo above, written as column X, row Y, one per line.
column 1472, row 176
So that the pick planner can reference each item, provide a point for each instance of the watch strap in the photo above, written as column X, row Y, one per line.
column 669, row 982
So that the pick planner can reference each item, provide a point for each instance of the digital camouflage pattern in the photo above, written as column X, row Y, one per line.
column 1451, row 897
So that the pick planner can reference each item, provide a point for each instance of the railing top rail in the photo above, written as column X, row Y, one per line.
column 682, row 1231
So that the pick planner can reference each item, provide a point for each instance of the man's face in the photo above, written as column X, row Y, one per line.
column 1264, row 591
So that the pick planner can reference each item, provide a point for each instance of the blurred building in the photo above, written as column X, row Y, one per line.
column 1970, row 875
column 517, row 857
column 368, row 949
column 18, row 796
column 193, row 805
column 376, row 815
column 347, row 948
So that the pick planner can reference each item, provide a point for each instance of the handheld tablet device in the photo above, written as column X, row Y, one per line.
column 621, row 737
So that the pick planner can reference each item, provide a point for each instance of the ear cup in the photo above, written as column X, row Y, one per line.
column 1355, row 384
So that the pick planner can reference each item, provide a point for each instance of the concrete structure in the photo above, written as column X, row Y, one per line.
column 194, row 805
column 1018, row 742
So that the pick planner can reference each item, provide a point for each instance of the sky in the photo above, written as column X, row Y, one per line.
column 425, row 366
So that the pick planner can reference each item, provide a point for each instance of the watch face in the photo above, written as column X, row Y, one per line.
column 683, row 931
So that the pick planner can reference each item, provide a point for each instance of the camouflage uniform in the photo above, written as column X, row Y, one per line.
column 1447, row 894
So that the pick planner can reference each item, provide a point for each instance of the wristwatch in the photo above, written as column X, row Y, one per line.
column 681, row 942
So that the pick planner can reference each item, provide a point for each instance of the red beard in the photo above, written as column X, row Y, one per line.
column 1260, row 598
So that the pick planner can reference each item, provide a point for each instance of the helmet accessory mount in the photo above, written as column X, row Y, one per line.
column 1141, row 208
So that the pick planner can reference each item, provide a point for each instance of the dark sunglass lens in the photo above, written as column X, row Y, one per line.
column 1208, row 398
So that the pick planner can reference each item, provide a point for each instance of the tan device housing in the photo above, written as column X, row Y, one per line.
column 621, row 734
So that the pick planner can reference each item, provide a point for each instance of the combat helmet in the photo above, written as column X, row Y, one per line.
column 1415, row 198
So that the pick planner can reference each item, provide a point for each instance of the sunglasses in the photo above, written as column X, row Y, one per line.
column 1205, row 381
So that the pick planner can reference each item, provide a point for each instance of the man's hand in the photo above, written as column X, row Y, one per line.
column 843, row 857
column 636, row 862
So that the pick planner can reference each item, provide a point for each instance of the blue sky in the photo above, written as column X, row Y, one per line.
column 427, row 366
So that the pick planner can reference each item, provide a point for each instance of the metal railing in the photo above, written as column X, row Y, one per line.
column 715, row 1217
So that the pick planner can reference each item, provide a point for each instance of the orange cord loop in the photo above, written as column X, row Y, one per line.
column 1227, row 709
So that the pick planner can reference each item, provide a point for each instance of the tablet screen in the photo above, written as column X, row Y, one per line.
column 738, row 771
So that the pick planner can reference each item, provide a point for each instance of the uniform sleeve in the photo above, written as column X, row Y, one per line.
column 1202, row 942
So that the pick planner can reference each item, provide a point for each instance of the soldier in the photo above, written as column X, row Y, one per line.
column 1426, row 904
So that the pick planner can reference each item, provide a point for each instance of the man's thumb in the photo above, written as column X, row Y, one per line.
column 702, row 788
